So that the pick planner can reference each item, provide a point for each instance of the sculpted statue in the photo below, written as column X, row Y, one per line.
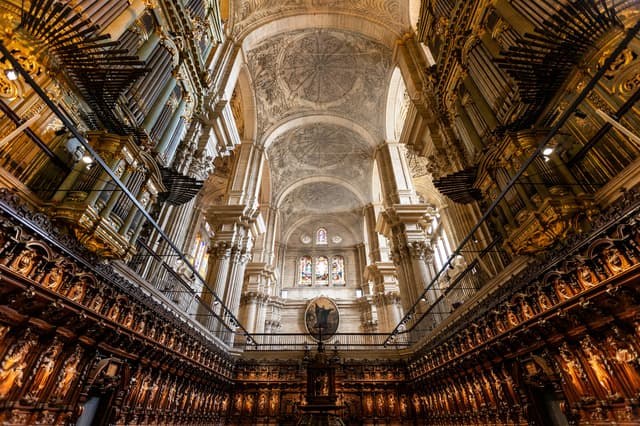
column 572, row 369
column 225, row 403
column 380, row 404
column 114, row 312
column 627, row 358
column 274, row 403
column 68, row 374
column 128, row 318
column 25, row 262
column 368, row 402
column 392, row 403
column 76, row 293
column 563, row 290
column 404, row 406
column 527, row 311
column 497, row 385
column 416, row 403
column 586, row 277
column 53, row 279
column 248, row 403
column 13, row 366
column 262, row 403
column 238, row 403
column 544, row 302
column 598, row 366
column 512, row 318
column 97, row 302
column 45, row 368
column 145, row 386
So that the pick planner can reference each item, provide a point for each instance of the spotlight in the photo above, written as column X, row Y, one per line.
column 547, row 151
column 86, row 159
column 11, row 74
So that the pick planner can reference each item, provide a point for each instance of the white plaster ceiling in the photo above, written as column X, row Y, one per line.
column 320, row 150
column 320, row 71
column 319, row 199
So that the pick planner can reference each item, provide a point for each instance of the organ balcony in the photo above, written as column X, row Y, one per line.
column 99, row 214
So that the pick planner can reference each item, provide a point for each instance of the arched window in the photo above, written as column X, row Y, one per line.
column 321, row 236
column 306, row 265
column 322, row 270
column 318, row 270
column 337, row 270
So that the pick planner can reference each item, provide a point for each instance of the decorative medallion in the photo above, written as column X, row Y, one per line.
column 320, row 67
column 336, row 239
column 321, row 318
column 305, row 238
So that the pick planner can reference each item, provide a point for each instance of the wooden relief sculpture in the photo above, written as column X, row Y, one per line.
column 14, row 365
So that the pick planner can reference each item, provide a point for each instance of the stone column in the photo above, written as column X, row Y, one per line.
column 248, row 309
column 219, row 257
column 385, row 288
column 247, row 174
column 395, row 175
column 235, row 228
column 403, row 225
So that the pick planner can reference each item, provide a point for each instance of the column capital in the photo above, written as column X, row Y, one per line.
column 420, row 250
column 408, row 216
column 238, row 215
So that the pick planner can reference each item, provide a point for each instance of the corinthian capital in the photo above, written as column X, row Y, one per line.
column 420, row 250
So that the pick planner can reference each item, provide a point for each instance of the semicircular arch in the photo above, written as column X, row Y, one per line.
column 321, row 179
column 288, row 124
column 264, row 29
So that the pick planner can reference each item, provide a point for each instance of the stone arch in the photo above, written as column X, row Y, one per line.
column 254, row 34
column 414, row 13
column 289, row 123
column 328, row 179
column 243, row 88
column 396, row 101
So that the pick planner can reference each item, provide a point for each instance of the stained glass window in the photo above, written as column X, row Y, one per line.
column 322, row 270
column 337, row 270
column 306, row 265
column 321, row 236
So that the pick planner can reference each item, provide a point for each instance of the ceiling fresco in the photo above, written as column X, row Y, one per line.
column 320, row 150
column 320, row 71
column 330, row 80
column 319, row 198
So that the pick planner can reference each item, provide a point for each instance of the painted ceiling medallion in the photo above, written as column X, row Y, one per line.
column 319, row 68
column 336, row 239
column 306, row 239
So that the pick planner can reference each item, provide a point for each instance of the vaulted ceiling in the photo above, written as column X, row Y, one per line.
column 320, row 71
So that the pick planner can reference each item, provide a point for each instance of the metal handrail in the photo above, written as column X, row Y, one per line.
column 631, row 33
column 89, row 149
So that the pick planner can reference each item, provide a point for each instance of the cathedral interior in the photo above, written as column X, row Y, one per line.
column 319, row 212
